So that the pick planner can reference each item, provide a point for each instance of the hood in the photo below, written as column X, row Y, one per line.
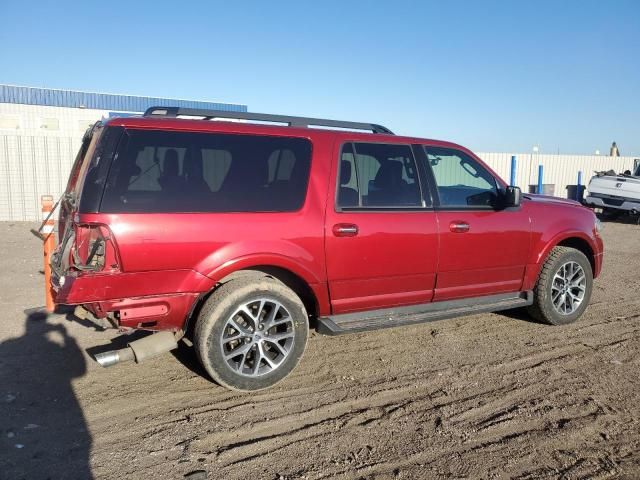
column 549, row 199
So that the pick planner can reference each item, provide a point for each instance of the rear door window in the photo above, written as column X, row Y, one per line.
column 375, row 175
column 160, row 171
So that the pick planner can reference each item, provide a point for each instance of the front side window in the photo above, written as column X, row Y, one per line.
column 374, row 175
column 460, row 179
column 160, row 171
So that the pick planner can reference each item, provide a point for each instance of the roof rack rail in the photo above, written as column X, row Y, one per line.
column 173, row 112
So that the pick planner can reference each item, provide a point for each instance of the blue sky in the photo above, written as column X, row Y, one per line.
column 492, row 75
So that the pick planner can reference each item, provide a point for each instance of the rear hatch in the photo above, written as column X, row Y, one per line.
column 85, row 247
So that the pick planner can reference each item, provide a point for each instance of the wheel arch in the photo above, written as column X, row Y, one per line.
column 312, row 295
column 572, row 239
column 581, row 245
column 295, row 282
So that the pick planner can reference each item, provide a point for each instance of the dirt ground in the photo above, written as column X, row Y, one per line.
column 487, row 396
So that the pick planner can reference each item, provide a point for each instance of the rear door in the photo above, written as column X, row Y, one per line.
column 381, row 232
column 483, row 247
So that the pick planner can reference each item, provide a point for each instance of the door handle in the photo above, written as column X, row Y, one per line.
column 345, row 230
column 458, row 226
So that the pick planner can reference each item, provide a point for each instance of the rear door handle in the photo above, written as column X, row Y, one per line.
column 458, row 226
column 345, row 230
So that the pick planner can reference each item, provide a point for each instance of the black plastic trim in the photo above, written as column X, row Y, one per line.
column 427, row 312
column 383, row 209
column 425, row 170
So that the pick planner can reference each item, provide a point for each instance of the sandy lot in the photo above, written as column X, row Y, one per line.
column 488, row 396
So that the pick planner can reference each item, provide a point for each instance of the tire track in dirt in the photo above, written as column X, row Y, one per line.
column 487, row 396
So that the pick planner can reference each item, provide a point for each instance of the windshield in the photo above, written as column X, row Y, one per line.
column 637, row 172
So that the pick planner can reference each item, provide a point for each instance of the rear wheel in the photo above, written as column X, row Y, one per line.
column 611, row 213
column 251, row 333
column 564, row 286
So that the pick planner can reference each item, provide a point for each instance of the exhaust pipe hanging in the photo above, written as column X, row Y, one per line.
column 139, row 350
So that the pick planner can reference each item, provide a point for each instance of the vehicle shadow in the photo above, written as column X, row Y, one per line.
column 187, row 356
column 43, row 429
column 518, row 314
column 625, row 219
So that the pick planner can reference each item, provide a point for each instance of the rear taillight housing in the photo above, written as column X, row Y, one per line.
column 94, row 249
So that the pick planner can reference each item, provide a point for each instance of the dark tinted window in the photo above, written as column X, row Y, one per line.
column 461, row 180
column 97, row 170
column 377, row 175
column 158, row 171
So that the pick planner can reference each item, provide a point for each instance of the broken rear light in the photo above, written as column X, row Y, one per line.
column 94, row 249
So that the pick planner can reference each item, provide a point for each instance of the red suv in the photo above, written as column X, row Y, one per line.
column 240, row 236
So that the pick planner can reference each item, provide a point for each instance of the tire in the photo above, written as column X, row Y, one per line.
column 548, row 300
column 612, row 213
column 242, row 310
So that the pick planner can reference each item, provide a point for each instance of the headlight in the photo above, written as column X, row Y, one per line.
column 599, row 225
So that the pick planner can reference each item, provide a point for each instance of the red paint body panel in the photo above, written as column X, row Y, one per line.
column 167, row 261
column 488, row 258
column 392, row 261
column 554, row 221
column 159, row 312
column 94, row 287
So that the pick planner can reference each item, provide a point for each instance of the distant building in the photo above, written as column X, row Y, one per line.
column 43, row 111
column 41, row 131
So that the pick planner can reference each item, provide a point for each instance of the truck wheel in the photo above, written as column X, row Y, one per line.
column 611, row 213
column 564, row 286
column 251, row 333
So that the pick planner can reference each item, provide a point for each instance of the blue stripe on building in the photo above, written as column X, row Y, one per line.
column 101, row 101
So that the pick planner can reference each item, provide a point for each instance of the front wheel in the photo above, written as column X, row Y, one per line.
column 251, row 333
column 564, row 286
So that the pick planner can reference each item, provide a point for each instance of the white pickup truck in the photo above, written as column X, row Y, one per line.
column 615, row 193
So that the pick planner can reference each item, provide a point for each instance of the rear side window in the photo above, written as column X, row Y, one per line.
column 97, row 169
column 160, row 171
column 374, row 175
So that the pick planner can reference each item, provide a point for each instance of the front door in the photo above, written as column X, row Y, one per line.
column 381, row 234
column 483, row 248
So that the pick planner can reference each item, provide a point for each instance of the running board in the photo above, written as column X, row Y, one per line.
column 427, row 312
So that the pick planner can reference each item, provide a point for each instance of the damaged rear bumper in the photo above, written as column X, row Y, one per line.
column 143, row 300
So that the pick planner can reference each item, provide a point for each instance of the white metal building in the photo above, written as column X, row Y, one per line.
column 559, row 170
column 41, row 131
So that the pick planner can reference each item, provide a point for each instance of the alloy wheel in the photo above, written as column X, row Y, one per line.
column 568, row 288
column 258, row 337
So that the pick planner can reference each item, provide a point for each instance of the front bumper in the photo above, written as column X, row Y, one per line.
column 619, row 203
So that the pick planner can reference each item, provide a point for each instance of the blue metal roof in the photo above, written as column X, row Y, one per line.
column 101, row 101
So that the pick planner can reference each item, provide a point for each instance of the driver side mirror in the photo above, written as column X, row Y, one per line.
column 512, row 196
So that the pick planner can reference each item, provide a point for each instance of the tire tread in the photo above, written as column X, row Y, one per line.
column 541, row 309
column 206, row 320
